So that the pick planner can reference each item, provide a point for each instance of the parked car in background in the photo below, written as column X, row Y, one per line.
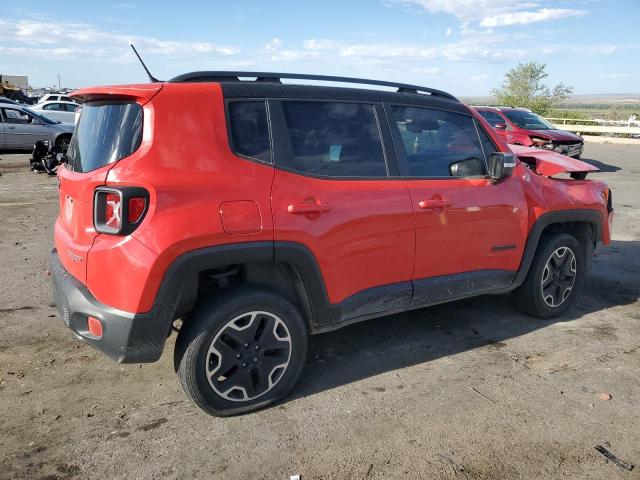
column 21, row 128
column 519, row 126
column 8, row 100
column 61, row 111
column 55, row 97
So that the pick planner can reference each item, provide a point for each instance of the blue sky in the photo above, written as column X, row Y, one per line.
column 462, row 46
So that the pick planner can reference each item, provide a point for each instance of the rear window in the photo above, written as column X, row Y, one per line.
column 250, row 129
column 105, row 133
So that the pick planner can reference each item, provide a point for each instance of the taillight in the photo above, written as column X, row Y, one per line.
column 113, row 211
column 136, row 209
column 118, row 211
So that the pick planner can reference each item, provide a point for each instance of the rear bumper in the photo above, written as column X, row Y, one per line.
column 126, row 337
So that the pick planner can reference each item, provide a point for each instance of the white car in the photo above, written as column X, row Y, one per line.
column 55, row 97
column 60, row 111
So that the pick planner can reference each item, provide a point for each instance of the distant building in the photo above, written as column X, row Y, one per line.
column 17, row 80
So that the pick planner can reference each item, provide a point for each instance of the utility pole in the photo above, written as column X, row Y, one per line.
column 59, row 86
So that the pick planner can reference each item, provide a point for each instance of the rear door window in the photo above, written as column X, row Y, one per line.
column 436, row 143
column 334, row 139
column 105, row 133
column 250, row 129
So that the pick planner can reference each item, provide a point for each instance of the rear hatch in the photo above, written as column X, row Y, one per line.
column 109, row 129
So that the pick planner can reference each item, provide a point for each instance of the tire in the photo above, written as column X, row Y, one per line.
column 241, row 351
column 563, row 276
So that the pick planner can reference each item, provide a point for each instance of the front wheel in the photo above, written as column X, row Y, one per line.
column 555, row 276
column 241, row 351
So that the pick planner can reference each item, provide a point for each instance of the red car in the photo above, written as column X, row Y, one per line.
column 519, row 126
column 249, row 214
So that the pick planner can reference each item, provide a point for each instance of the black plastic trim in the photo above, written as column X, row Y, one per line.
column 592, row 217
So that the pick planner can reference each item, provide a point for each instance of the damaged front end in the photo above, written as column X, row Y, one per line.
column 549, row 163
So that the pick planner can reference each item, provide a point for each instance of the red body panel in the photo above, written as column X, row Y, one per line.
column 74, row 231
column 363, row 233
column 462, row 236
column 365, row 240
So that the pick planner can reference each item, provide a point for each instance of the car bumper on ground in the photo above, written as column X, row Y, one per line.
column 126, row 337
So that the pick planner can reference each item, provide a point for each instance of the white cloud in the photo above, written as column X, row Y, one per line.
column 524, row 18
column 273, row 45
column 448, row 32
column 67, row 39
column 493, row 13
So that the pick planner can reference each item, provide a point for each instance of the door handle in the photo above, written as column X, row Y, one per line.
column 431, row 204
column 308, row 208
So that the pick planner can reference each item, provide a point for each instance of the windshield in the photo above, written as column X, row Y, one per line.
column 528, row 120
column 105, row 133
column 41, row 117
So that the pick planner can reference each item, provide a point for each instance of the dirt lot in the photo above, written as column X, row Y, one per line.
column 466, row 390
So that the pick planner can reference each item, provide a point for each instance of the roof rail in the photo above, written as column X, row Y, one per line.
column 227, row 76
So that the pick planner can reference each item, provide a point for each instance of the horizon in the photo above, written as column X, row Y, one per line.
column 461, row 46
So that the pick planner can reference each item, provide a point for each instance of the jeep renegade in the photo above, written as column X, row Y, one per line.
column 248, row 214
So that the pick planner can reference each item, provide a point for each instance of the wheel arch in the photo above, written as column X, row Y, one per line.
column 288, row 268
column 62, row 135
column 584, row 224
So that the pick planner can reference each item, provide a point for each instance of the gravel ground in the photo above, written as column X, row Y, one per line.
column 465, row 390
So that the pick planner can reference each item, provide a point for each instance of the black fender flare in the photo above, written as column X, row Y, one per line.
column 589, row 216
column 178, row 289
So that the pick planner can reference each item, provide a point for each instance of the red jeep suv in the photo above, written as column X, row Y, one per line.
column 249, row 214
column 519, row 126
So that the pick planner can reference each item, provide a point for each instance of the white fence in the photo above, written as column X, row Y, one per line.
column 604, row 126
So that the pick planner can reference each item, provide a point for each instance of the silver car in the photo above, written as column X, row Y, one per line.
column 21, row 128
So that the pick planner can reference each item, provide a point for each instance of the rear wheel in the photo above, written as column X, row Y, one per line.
column 555, row 276
column 241, row 352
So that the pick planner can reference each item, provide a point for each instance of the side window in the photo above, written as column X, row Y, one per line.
column 15, row 116
column 250, row 129
column 334, row 139
column 70, row 107
column 52, row 106
column 436, row 143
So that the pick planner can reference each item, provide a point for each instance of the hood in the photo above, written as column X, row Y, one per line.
column 559, row 135
column 549, row 163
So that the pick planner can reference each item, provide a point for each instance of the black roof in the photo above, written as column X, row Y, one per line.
column 271, row 82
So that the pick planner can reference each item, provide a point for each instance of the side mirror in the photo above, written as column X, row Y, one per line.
column 501, row 165
column 500, row 126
